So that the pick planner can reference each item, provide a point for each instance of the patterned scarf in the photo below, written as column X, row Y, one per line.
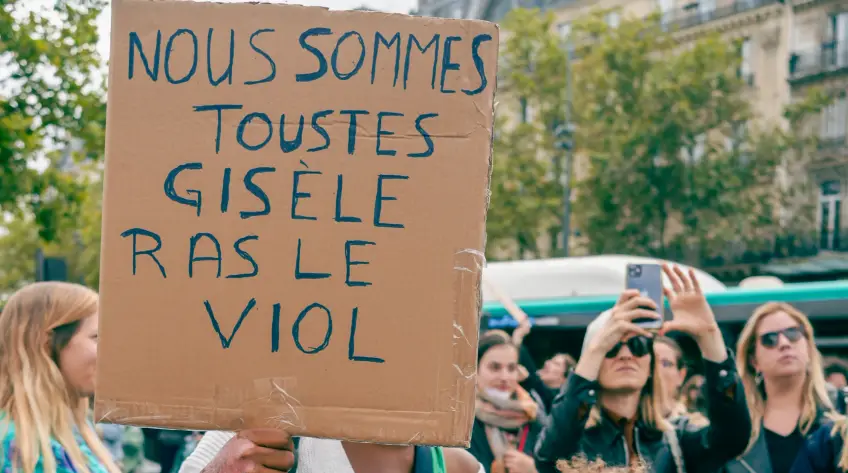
column 501, row 416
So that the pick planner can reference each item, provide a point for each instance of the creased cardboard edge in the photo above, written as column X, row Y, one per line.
column 468, row 267
column 312, row 7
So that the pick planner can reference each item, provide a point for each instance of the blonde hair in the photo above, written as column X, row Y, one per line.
column 34, row 394
column 814, row 390
column 652, row 402
column 581, row 465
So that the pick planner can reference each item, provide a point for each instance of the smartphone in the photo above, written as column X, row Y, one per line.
column 647, row 279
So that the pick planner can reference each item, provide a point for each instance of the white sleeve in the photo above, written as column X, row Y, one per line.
column 482, row 470
column 209, row 446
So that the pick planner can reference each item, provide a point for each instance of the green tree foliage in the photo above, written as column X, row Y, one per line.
column 678, row 164
column 52, row 107
column 50, row 93
column 77, row 241
column 526, row 178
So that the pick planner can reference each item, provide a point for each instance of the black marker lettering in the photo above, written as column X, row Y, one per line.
column 413, row 40
column 381, row 133
column 359, row 62
column 245, row 256
column 298, row 274
column 135, row 43
column 134, row 233
column 219, row 109
column 478, row 63
column 349, row 262
column 351, row 346
column 380, row 39
column 169, row 48
column 339, row 217
column 447, row 65
column 271, row 75
column 228, row 72
column 351, row 130
column 424, row 134
column 378, row 203
column 322, row 61
column 193, row 247
column 297, row 195
column 226, row 341
column 286, row 145
column 171, row 193
column 327, row 334
column 257, row 191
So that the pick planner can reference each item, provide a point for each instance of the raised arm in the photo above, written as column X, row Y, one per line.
column 727, row 436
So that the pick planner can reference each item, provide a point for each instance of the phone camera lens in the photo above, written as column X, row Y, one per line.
column 635, row 271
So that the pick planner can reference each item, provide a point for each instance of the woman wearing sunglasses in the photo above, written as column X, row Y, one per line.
column 784, row 386
column 611, row 406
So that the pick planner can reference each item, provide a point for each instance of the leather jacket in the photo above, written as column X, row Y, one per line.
column 821, row 452
column 704, row 449
column 757, row 460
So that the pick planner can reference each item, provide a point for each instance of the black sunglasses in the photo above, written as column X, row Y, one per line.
column 639, row 346
column 771, row 339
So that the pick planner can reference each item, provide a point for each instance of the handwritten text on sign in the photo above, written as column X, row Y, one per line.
column 262, row 130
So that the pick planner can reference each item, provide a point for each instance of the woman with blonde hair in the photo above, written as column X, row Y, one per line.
column 48, row 355
column 784, row 387
column 612, row 406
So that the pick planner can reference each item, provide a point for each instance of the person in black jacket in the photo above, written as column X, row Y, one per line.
column 611, row 406
column 823, row 450
column 784, row 386
column 505, row 424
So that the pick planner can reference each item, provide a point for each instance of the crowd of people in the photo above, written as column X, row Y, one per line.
column 630, row 403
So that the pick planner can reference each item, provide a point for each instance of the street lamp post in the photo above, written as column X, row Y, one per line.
column 564, row 133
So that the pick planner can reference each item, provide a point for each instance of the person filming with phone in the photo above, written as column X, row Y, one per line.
column 611, row 406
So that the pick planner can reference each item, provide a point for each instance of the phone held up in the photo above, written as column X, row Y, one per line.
column 647, row 279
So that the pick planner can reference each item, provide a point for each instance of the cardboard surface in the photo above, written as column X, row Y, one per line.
column 326, row 281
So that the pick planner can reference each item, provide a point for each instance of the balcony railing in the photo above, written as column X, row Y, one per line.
column 827, row 58
column 832, row 142
column 688, row 17
column 765, row 250
column 783, row 246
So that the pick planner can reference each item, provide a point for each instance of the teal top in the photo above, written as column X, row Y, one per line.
column 63, row 461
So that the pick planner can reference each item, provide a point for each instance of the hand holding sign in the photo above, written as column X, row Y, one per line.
column 255, row 451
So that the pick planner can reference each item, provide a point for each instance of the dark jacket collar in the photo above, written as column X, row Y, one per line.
column 610, row 428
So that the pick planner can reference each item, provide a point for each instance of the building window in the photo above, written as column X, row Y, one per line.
column 830, row 215
column 746, row 70
column 694, row 152
column 564, row 29
column 613, row 19
column 838, row 34
column 834, row 122
column 706, row 8
column 666, row 8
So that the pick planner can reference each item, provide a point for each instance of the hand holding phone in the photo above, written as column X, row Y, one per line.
column 647, row 279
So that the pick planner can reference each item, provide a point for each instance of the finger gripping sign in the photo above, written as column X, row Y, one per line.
column 294, row 220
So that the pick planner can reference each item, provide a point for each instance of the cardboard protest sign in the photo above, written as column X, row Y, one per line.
column 294, row 220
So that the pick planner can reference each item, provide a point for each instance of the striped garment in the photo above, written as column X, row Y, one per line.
column 63, row 461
